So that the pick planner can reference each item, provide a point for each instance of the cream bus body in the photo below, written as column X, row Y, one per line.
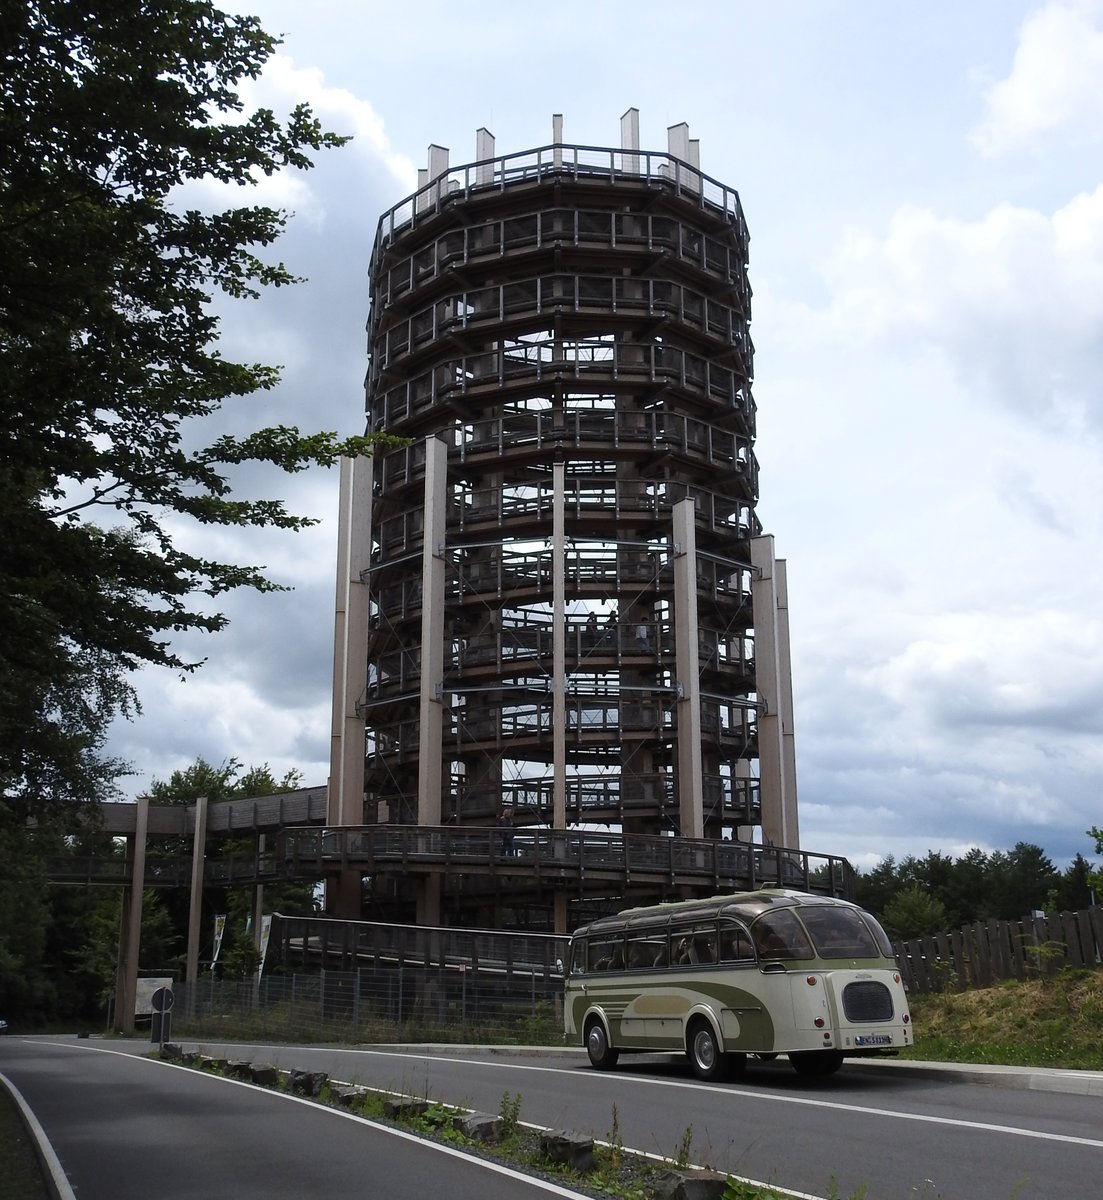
column 753, row 973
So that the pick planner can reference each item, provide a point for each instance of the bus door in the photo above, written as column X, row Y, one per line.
column 645, row 953
column 673, row 982
column 781, row 944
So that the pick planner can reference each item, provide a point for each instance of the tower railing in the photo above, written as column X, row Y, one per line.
column 573, row 162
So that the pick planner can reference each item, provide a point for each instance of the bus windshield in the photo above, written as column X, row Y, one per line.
column 839, row 932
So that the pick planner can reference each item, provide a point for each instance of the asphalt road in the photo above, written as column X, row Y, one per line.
column 125, row 1127
column 897, row 1132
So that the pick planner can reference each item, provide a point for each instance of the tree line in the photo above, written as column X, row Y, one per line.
column 938, row 893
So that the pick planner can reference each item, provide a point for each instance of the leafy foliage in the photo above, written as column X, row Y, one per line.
column 1004, row 884
column 230, row 780
column 913, row 913
column 108, row 343
column 1095, row 878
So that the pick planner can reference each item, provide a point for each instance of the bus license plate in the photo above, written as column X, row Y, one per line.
column 873, row 1039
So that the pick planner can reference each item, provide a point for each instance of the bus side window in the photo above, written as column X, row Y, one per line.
column 693, row 945
column 704, row 944
column 641, row 951
column 602, row 953
column 735, row 944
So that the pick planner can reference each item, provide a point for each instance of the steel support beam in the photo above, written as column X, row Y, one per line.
column 773, row 673
column 130, row 933
column 350, row 645
column 690, row 784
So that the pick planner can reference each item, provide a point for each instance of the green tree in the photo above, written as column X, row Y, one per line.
column 228, row 781
column 26, row 989
column 965, row 894
column 93, row 957
column 231, row 780
column 1019, row 881
column 913, row 913
column 111, row 372
column 1074, row 888
column 877, row 887
column 1096, row 878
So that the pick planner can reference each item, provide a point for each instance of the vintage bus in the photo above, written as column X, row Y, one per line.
column 753, row 973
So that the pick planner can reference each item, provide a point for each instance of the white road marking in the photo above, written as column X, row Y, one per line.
column 728, row 1090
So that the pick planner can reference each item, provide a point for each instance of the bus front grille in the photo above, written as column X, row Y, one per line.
column 867, row 1001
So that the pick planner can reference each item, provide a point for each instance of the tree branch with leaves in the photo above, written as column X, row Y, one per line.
column 110, row 363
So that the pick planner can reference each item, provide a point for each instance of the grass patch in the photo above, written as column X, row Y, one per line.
column 1017, row 1023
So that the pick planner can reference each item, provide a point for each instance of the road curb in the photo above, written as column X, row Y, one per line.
column 53, row 1175
column 1036, row 1079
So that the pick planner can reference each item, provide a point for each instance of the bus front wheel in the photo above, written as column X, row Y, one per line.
column 602, row 1055
column 705, row 1056
column 816, row 1063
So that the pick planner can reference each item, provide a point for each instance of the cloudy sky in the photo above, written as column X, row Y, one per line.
column 924, row 190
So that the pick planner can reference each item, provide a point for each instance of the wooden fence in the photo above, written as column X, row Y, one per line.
column 985, row 952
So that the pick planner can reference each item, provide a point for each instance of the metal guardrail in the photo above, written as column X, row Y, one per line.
column 542, row 855
column 173, row 872
column 563, row 854
column 616, row 165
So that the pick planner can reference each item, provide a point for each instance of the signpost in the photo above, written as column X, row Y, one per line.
column 160, row 1025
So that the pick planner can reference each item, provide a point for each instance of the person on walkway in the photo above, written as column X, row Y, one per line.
column 505, row 824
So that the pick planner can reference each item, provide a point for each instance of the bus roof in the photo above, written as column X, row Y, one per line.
column 743, row 904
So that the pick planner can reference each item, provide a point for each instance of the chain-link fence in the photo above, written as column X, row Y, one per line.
column 390, row 983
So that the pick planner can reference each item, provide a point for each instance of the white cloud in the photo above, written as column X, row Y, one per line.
column 281, row 87
column 216, row 716
column 1054, row 82
column 338, row 109
column 929, row 438
column 1012, row 299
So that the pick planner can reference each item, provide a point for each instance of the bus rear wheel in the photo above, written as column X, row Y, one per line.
column 602, row 1055
column 815, row 1064
column 705, row 1055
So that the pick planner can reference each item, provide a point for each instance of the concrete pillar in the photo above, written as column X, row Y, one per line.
column 438, row 172
column 195, row 899
column 484, row 151
column 430, row 709
column 557, row 139
column 559, row 661
column 560, row 901
column 690, row 784
column 630, row 140
column 345, row 797
column 258, row 901
column 430, row 781
column 677, row 141
column 130, row 933
column 774, row 684
column 677, row 146
column 422, row 201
